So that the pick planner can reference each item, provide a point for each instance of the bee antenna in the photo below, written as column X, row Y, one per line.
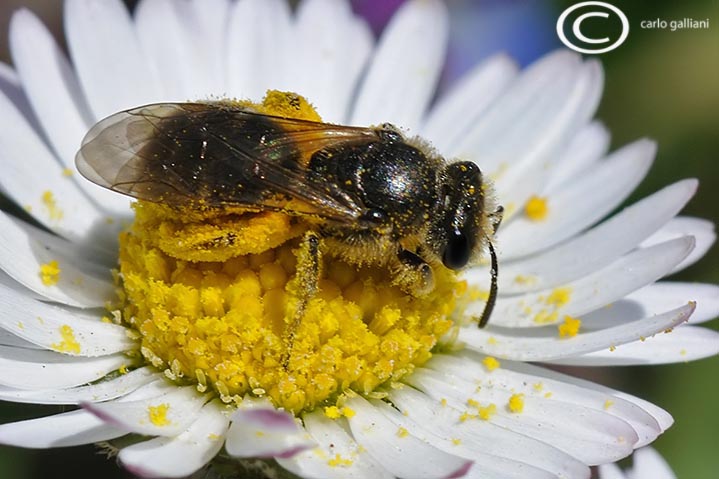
column 492, row 298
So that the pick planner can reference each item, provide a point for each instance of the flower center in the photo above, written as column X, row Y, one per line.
column 214, row 295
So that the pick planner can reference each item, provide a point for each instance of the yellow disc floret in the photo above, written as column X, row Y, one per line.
column 213, row 294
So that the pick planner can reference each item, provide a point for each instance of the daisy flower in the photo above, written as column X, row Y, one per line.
column 174, row 360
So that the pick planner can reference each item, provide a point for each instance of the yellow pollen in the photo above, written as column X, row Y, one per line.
column 333, row 412
column 570, row 327
column 68, row 344
column 456, row 441
column 158, row 414
column 402, row 432
column 67, row 172
column 546, row 317
column 547, row 395
column 465, row 416
column 443, row 402
column 538, row 386
column 536, row 208
column 559, row 296
column 516, row 403
column 486, row 413
column 213, row 294
column 525, row 279
column 53, row 211
column 123, row 369
column 490, row 363
column 492, row 341
column 339, row 461
column 608, row 403
column 50, row 273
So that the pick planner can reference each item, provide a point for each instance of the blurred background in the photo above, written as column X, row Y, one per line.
column 659, row 84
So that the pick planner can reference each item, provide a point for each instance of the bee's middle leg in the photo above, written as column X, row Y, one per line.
column 412, row 274
column 308, row 274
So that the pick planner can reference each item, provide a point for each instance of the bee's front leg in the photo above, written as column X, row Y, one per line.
column 412, row 274
column 309, row 261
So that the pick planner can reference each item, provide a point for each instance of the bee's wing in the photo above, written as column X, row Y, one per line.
column 218, row 154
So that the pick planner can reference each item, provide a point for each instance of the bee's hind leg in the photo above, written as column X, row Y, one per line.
column 309, row 260
column 412, row 274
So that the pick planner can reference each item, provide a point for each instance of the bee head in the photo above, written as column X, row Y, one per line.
column 464, row 226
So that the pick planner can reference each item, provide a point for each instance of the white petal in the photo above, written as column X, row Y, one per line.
column 111, row 65
column 627, row 274
column 165, row 415
column 260, row 430
column 648, row 463
column 607, row 242
column 258, row 48
column 337, row 454
column 30, row 171
column 205, row 16
column 405, row 68
column 544, row 344
column 592, row 436
column 73, row 332
column 490, row 136
column 403, row 456
column 183, row 454
column 701, row 229
column 467, row 365
column 581, row 203
column 78, row 283
column 56, row 97
column 10, row 283
column 98, row 392
column 11, row 87
column 186, row 51
column 168, row 47
column 684, row 343
column 37, row 369
column 498, row 451
column 332, row 49
column 9, row 339
column 456, row 112
column 587, row 147
column 560, row 113
column 663, row 418
column 654, row 299
column 61, row 430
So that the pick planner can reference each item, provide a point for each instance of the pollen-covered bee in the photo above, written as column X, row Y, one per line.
column 370, row 195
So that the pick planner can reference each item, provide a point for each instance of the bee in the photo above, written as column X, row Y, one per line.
column 369, row 195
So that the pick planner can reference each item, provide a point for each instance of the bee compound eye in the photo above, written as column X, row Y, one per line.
column 457, row 252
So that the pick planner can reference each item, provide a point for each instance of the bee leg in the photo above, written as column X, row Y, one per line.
column 412, row 274
column 308, row 275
